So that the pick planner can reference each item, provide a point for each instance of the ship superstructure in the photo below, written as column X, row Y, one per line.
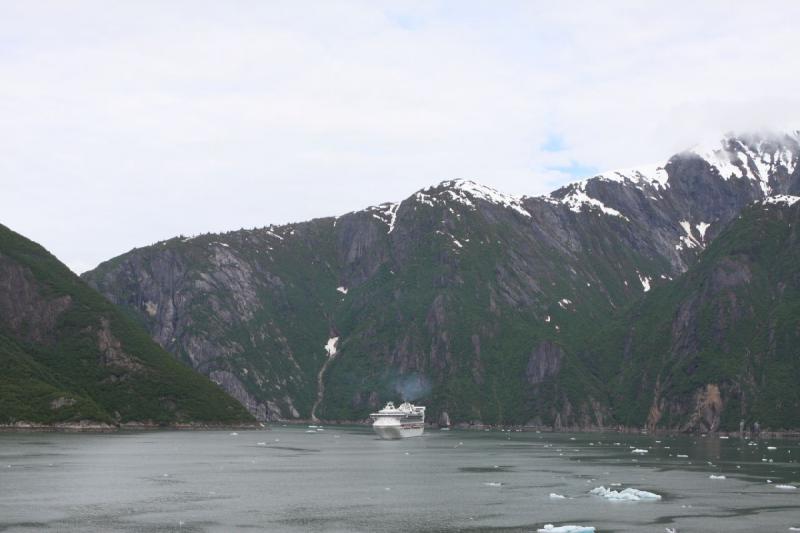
column 405, row 420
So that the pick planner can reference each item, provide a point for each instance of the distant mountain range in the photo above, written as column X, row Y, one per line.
column 662, row 297
column 70, row 358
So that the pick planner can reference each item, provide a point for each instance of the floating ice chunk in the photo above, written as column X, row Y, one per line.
column 771, row 448
column 682, row 456
column 713, row 476
column 261, row 443
column 554, row 496
column 794, row 529
column 629, row 494
column 233, row 434
column 639, row 451
column 550, row 528
column 786, row 487
column 343, row 290
column 493, row 484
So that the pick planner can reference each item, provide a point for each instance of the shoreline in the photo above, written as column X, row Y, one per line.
column 781, row 434
column 85, row 426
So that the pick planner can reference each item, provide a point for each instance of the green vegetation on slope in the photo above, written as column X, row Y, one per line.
column 730, row 325
column 70, row 355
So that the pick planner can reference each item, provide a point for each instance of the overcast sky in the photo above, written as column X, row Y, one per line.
column 124, row 123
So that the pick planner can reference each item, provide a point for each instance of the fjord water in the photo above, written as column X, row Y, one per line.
column 344, row 479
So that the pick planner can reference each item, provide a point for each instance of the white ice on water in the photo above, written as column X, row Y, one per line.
column 629, row 494
column 550, row 528
column 786, row 487
column 712, row 476
column 639, row 451
column 554, row 496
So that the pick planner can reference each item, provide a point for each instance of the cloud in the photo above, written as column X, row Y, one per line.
column 122, row 124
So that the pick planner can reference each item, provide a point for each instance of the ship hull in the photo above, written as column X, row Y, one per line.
column 397, row 430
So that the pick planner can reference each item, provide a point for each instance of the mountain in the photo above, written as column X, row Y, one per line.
column 71, row 357
column 481, row 302
column 721, row 343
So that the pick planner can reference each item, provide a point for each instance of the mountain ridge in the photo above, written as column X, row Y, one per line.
column 487, row 296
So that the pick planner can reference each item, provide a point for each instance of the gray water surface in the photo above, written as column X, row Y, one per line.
column 344, row 479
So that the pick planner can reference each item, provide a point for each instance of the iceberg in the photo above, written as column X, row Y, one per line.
column 786, row 487
column 712, row 476
column 550, row 528
column 639, row 451
column 554, row 496
column 629, row 494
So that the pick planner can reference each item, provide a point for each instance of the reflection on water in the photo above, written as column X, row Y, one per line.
column 343, row 479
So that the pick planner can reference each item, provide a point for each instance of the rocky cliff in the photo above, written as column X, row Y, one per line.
column 489, row 299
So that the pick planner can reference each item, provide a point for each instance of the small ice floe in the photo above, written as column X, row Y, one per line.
column 493, row 484
column 550, row 528
column 786, row 487
column 234, row 434
column 670, row 530
column 794, row 529
column 639, row 451
column 261, row 443
column 772, row 448
column 554, row 496
column 712, row 476
column 723, row 437
column 629, row 494
column 682, row 456
column 314, row 431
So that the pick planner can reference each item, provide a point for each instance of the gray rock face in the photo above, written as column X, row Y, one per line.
column 544, row 362
column 27, row 312
column 487, row 295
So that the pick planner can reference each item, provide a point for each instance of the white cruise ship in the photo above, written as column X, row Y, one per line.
column 407, row 420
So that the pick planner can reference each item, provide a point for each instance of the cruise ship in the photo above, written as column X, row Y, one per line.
column 407, row 420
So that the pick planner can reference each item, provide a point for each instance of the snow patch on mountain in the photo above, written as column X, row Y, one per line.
column 701, row 229
column 577, row 199
column 645, row 281
column 782, row 199
column 466, row 191
column 330, row 346
column 386, row 213
column 653, row 175
column 755, row 158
